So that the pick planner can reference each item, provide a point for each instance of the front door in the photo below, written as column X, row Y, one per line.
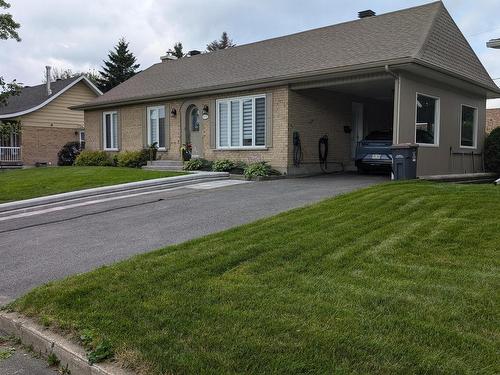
column 194, row 132
column 357, row 127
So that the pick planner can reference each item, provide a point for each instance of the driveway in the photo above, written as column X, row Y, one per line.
column 57, row 241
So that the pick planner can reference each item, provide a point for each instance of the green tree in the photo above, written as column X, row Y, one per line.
column 120, row 66
column 8, row 30
column 177, row 51
column 223, row 43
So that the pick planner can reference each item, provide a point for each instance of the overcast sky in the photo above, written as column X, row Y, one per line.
column 77, row 34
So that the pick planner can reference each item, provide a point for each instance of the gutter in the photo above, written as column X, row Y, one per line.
column 260, row 83
column 396, row 103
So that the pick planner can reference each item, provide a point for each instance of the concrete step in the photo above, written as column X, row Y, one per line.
column 163, row 167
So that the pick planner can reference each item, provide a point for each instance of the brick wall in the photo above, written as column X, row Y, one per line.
column 132, row 124
column 41, row 144
column 492, row 119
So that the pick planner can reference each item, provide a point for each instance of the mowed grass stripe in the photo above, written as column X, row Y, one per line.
column 399, row 278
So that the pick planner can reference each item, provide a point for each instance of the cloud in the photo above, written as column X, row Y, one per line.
column 78, row 34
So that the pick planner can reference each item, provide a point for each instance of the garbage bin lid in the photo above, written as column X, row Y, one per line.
column 404, row 145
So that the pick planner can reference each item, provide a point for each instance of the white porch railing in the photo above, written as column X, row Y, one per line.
column 10, row 154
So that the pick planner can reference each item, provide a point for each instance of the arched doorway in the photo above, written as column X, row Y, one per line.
column 194, row 131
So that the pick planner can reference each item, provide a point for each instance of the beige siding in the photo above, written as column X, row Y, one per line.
column 447, row 157
column 57, row 114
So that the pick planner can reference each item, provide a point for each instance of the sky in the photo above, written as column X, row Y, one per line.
column 77, row 34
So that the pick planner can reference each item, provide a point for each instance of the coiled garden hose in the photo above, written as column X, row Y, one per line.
column 298, row 156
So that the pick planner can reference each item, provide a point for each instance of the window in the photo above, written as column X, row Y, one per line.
column 110, row 131
column 156, row 126
column 241, row 122
column 427, row 120
column 468, row 127
column 81, row 139
column 195, row 119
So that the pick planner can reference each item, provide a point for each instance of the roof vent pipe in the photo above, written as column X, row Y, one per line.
column 366, row 13
column 194, row 52
column 47, row 76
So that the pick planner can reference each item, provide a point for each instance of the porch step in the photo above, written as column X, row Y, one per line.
column 164, row 165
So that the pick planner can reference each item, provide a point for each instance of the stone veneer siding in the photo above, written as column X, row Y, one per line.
column 492, row 119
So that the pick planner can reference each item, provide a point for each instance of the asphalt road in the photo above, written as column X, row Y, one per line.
column 52, row 242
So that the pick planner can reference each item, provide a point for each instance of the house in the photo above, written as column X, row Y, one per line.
column 46, row 122
column 492, row 119
column 410, row 71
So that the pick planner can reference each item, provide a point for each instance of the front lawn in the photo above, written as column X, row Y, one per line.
column 400, row 278
column 37, row 182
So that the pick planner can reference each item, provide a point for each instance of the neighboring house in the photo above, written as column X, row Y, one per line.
column 492, row 119
column 46, row 121
column 410, row 71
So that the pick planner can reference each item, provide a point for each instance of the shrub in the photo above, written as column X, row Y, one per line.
column 223, row 165
column 492, row 151
column 197, row 164
column 68, row 153
column 93, row 158
column 132, row 159
column 260, row 169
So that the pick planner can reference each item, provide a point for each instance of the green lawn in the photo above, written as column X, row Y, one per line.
column 400, row 278
column 37, row 182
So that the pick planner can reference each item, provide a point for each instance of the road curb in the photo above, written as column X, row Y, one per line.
column 130, row 186
column 45, row 342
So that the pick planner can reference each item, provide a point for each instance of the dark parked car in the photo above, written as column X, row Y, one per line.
column 374, row 151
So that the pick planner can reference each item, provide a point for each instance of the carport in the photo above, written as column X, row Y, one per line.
column 344, row 109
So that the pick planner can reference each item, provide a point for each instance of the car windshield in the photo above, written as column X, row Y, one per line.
column 379, row 135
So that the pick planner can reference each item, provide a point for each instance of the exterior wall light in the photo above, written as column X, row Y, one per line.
column 204, row 114
column 173, row 112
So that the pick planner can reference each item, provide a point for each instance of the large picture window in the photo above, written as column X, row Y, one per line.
column 241, row 122
column 468, row 127
column 156, row 126
column 427, row 120
column 110, row 131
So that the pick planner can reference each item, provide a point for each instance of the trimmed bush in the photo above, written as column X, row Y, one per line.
column 68, row 153
column 197, row 164
column 492, row 151
column 223, row 165
column 93, row 159
column 260, row 169
column 132, row 159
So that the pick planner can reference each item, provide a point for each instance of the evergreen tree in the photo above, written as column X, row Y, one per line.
column 177, row 51
column 119, row 67
column 8, row 30
column 223, row 43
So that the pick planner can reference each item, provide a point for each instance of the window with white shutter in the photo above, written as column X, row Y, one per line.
column 241, row 122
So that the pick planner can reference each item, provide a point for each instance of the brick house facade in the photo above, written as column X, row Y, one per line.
column 492, row 119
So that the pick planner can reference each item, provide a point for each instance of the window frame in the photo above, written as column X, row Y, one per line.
column 241, row 99
column 80, row 140
column 475, row 127
column 437, row 120
column 148, row 125
column 112, row 131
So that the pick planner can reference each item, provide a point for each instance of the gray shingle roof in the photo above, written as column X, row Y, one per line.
column 33, row 96
column 424, row 33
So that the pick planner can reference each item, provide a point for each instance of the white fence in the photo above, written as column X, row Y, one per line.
column 10, row 154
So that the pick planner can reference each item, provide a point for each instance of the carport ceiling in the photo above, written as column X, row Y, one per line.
column 381, row 89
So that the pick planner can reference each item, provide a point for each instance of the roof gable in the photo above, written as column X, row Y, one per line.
column 421, row 33
column 446, row 47
column 35, row 97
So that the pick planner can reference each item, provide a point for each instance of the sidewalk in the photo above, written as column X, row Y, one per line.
column 159, row 183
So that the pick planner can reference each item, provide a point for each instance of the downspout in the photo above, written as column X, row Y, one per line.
column 397, row 92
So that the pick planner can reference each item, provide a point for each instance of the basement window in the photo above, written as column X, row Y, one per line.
column 427, row 120
column 110, row 131
column 468, row 127
column 241, row 122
